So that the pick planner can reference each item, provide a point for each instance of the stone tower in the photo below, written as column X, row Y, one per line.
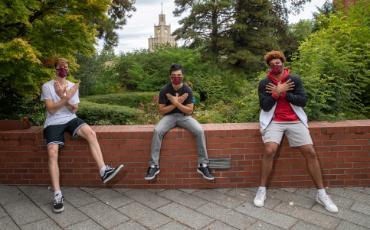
column 162, row 34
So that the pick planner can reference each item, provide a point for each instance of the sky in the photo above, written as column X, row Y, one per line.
column 140, row 27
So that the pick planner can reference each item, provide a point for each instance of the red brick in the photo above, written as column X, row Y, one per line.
column 343, row 149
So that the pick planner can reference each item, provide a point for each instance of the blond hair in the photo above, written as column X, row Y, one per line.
column 60, row 60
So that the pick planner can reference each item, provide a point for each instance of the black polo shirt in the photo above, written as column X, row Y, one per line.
column 169, row 89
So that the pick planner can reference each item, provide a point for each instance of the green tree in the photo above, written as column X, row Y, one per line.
column 320, row 17
column 34, row 32
column 208, row 22
column 118, row 11
column 334, row 63
column 297, row 33
column 252, row 34
column 237, row 32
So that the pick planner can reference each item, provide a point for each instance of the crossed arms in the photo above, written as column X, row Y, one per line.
column 65, row 95
column 292, row 90
column 176, row 102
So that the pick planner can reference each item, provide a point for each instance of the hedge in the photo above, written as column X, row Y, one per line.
column 130, row 99
column 105, row 114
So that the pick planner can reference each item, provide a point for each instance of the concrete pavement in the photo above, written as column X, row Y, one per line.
column 29, row 207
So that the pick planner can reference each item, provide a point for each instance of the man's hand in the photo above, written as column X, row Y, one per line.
column 72, row 108
column 270, row 88
column 60, row 90
column 69, row 94
column 280, row 88
column 173, row 99
column 286, row 86
column 183, row 97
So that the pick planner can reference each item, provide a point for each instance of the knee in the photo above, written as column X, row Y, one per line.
column 310, row 154
column 269, row 153
column 198, row 132
column 158, row 132
column 53, row 152
column 91, row 135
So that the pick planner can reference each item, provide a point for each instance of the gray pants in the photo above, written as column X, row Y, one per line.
column 178, row 119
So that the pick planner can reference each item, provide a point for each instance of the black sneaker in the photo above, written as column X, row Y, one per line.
column 58, row 206
column 110, row 173
column 205, row 172
column 152, row 173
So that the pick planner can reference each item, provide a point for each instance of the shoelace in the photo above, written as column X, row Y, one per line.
column 326, row 199
column 58, row 199
column 260, row 194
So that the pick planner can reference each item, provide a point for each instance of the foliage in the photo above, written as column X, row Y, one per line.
column 236, row 32
column 97, row 75
column 149, row 71
column 252, row 34
column 334, row 65
column 322, row 16
column 207, row 23
column 118, row 11
column 33, row 33
column 99, row 114
column 297, row 33
column 130, row 99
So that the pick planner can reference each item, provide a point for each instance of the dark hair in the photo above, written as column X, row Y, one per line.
column 175, row 67
column 274, row 55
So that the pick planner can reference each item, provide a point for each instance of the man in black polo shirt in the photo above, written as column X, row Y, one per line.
column 176, row 105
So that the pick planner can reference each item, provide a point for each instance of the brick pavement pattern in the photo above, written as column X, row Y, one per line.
column 29, row 207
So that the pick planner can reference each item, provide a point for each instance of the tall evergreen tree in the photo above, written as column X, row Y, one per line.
column 208, row 23
column 237, row 32
column 252, row 34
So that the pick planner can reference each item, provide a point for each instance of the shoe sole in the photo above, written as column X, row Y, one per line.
column 207, row 178
column 321, row 203
column 152, row 177
column 258, row 206
column 113, row 174
column 58, row 210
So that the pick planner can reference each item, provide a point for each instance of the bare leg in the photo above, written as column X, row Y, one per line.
column 90, row 136
column 267, row 161
column 53, row 166
column 313, row 164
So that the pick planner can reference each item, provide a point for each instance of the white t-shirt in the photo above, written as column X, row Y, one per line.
column 63, row 115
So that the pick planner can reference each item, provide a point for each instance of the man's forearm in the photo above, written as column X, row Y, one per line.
column 53, row 107
column 72, row 108
column 185, row 109
column 166, row 109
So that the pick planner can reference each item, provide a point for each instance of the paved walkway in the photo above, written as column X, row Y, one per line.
column 28, row 207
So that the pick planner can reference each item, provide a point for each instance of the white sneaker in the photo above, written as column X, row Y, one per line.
column 325, row 201
column 259, row 200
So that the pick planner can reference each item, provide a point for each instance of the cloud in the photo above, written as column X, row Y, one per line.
column 150, row 2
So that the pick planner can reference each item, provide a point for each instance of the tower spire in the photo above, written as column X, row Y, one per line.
column 161, row 7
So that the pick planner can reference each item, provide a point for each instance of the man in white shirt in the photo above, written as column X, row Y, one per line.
column 61, row 101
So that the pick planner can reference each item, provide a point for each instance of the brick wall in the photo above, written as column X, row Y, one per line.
column 343, row 149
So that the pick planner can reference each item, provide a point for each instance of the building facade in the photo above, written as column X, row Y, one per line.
column 162, row 34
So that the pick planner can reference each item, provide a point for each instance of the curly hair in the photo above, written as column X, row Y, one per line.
column 274, row 55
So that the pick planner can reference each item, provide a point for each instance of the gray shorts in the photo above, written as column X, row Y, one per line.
column 296, row 132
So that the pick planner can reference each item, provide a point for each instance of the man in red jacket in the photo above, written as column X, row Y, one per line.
column 282, row 98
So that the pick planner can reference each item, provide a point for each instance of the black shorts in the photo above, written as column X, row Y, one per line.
column 54, row 134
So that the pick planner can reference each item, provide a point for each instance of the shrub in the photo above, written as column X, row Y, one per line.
column 130, row 99
column 334, row 65
column 104, row 114
column 97, row 75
